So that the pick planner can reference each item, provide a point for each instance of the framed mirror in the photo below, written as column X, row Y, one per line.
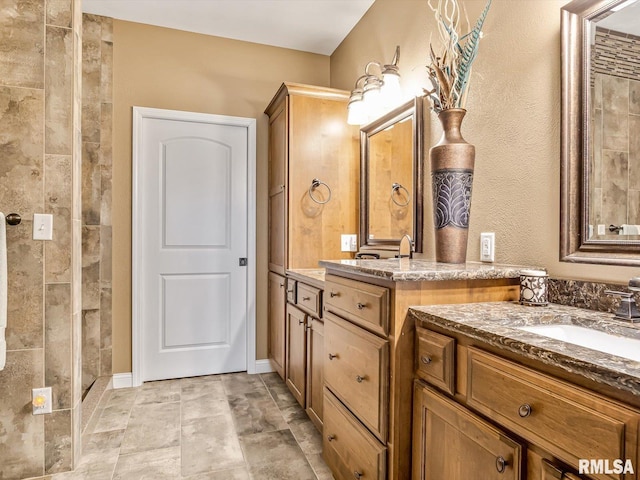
column 600, row 149
column 391, row 170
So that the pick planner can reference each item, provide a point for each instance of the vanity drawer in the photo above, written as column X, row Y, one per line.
column 309, row 299
column 568, row 422
column 436, row 359
column 291, row 291
column 348, row 448
column 364, row 304
column 356, row 370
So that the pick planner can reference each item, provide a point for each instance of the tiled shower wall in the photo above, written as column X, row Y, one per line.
column 40, row 97
column 615, row 179
column 97, row 126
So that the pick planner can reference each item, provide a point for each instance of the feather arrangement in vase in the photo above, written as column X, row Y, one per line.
column 450, row 68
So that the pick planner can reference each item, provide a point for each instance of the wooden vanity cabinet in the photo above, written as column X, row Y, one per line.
column 369, row 365
column 558, row 422
column 276, row 324
column 304, row 372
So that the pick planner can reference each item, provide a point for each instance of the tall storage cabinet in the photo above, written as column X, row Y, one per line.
column 313, row 183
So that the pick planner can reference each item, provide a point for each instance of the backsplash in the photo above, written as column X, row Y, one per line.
column 589, row 295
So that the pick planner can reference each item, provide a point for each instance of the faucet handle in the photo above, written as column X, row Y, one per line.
column 634, row 284
column 628, row 310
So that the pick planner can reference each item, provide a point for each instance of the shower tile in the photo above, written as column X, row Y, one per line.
column 58, row 454
column 91, row 183
column 160, row 464
column 615, row 131
column 106, row 32
column 615, row 94
column 91, row 267
column 105, row 318
column 90, row 347
column 210, row 444
column 105, row 256
column 59, row 67
column 614, row 192
column 255, row 412
column 21, row 37
column 106, row 188
column 22, row 445
column 634, row 97
column 77, row 358
column 91, row 77
column 25, row 292
column 634, row 207
column 143, row 432
column 21, row 149
column 57, row 194
column 106, row 361
column 58, row 336
column 634, row 152
column 59, row 13
column 106, row 74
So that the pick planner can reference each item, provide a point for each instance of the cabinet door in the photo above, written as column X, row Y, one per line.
column 449, row 442
column 296, row 365
column 277, row 321
column 278, row 189
column 315, row 366
column 552, row 472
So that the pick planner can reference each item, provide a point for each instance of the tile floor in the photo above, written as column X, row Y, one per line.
column 222, row 427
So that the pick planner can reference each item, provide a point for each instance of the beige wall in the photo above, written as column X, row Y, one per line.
column 164, row 68
column 513, row 119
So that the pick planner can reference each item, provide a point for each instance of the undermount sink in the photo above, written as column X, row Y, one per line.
column 586, row 337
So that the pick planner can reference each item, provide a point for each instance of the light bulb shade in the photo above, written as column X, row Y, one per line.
column 356, row 113
column 391, row 92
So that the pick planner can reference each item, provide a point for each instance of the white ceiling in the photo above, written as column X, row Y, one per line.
column 316, row 26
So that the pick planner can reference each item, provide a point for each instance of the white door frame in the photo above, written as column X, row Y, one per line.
column 140, row 113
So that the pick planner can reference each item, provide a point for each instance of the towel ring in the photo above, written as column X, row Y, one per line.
column 315, row 184
column 394, row 189
column 13, row 219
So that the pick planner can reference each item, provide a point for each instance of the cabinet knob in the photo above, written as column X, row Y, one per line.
column 524, row 410
column 426, row 359
column 331, row 437
column 359, row 378
column 357, row 474
column 306, row 299
column 332, row 356
column 300, row 322
column 334, row 294
column 501, row 464
column 360, row 305
column 282, row 285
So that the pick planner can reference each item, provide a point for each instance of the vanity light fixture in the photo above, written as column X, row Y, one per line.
column 375, row 93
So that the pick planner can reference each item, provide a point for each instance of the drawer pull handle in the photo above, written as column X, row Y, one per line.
column 300, row 322
column 360, row 378
column 524, row 410
column 501, row 464
column 360, row 306
column 426, row 359
column 334, row 294
column 282, row 285
column 332, row 356
column 331, row 437
column 358, row 474
column 306, row 299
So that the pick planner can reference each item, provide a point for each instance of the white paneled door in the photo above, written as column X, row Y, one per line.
column 191, row 246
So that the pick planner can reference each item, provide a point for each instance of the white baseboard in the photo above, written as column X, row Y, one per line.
column 122, row 380
column 264, row 366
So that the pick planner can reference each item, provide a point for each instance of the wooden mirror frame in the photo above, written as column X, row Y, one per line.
column 413, row 108
column 575, row 245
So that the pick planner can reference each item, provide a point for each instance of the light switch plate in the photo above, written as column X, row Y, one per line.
column 349, row 243
column 42, row 226
column 487, row 247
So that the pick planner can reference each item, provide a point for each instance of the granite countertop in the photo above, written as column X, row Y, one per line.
column 405, row 269
column 495, row 324
column 313, row 276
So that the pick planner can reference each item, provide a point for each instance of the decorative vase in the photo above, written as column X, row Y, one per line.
column 452, row 160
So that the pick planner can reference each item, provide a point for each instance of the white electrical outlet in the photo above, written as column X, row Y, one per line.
column 601, row 230
column 42, row 226
column 487, row 247
column 41, row 400
column 348, row 243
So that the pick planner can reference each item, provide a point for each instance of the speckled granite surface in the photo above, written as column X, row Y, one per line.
column 312, row 276
column 582, row 294
column 418, row 270
column 495, row 324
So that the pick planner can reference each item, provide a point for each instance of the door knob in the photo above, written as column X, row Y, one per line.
column 332, row 356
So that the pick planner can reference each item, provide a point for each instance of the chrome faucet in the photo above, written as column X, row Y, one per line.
column 628, row 310
column 406, row 247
